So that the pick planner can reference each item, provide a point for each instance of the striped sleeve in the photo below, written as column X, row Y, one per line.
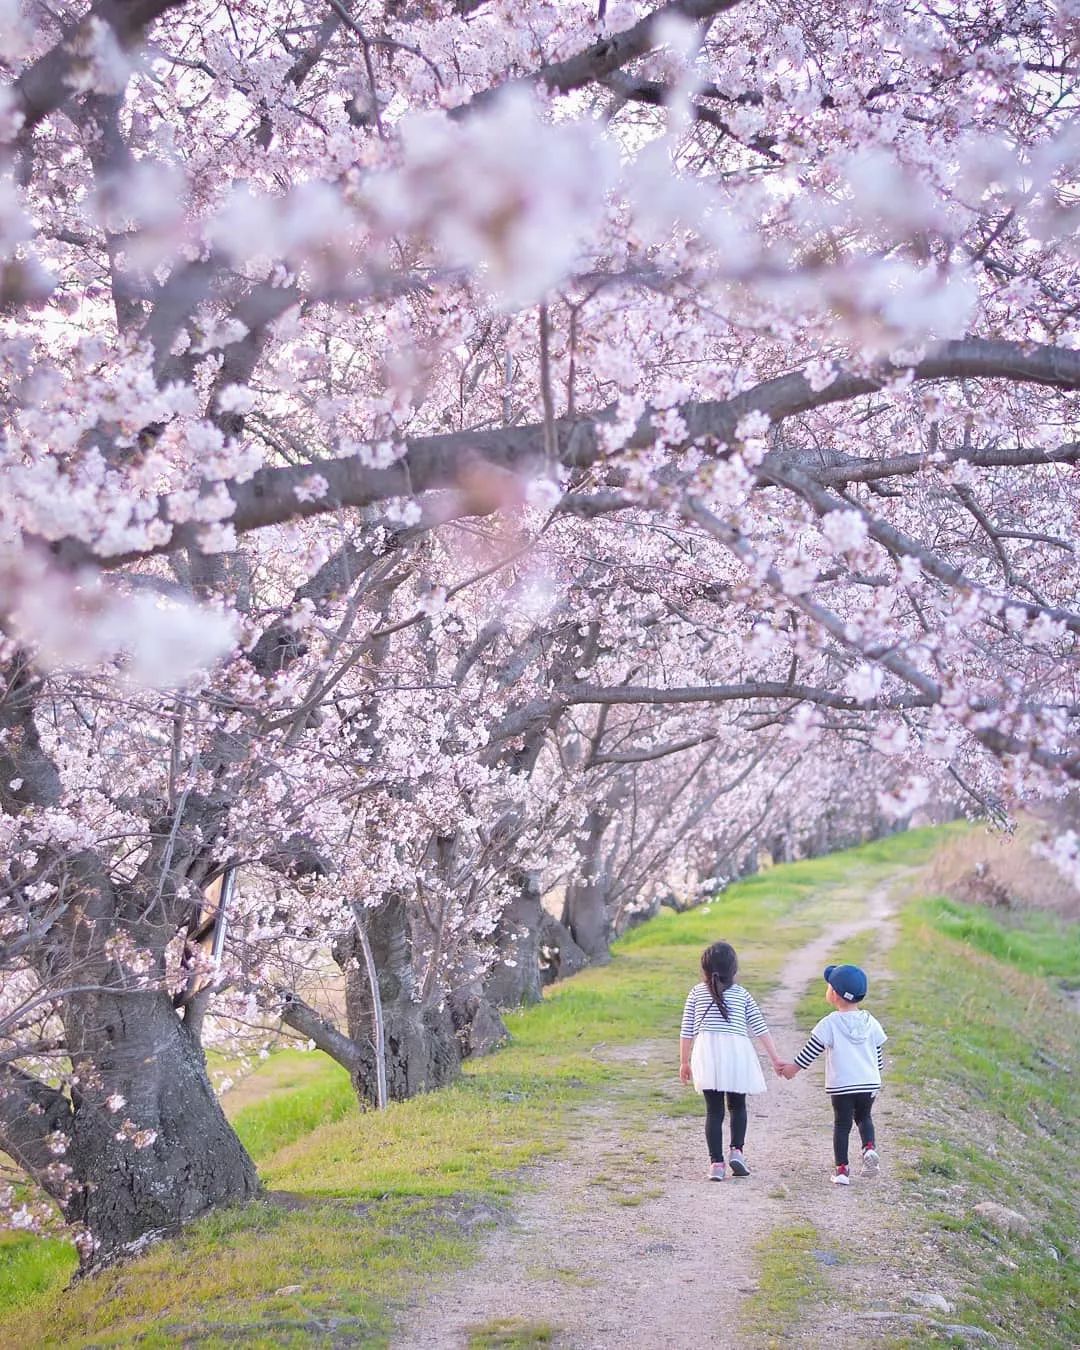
column 880, row 1058
column 689, row 1017
column 809, row 1053
column 755, row 1023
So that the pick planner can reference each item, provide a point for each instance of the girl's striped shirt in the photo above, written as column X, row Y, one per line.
column 702, row 1013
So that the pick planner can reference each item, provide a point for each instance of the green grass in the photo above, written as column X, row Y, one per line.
column 1033, row 941
column 388, row 1200
column 987, row 1052
column 511, row 1333
column 302, row 1091
column 31, row 1265
column 977, row 1033
column 301, row 1103
column 789, row 1278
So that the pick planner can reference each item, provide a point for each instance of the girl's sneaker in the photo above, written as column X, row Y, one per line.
column 870, row 1160
column 842, row 1175
column 717, row 1171
column 738, row 1163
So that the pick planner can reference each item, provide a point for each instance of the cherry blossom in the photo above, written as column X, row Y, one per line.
column 462, row 454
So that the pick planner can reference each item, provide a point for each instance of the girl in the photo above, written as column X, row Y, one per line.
column 719, row 1018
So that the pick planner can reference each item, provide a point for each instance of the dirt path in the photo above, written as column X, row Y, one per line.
column 622, row 1243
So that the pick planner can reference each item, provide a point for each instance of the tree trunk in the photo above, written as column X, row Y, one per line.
column 178, row 1156
column 421, row 1046
column 585, row 910
column 514, row 978
column 560, row 956
column 480, row 1029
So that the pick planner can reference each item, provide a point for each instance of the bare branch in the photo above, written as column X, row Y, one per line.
column 303, row 1019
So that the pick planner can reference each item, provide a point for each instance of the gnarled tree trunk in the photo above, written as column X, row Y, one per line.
column 514, row 978
column 560, row 956
column 585, row 910
column 141, row 1168
column 420, row 1042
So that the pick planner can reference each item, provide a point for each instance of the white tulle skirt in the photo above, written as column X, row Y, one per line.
column 725, row 1063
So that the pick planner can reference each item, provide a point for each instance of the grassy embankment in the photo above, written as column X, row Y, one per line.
column 985, row 1052
column 376, row 1203
column 995, row 1064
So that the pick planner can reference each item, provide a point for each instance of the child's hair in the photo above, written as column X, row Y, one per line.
column 719, row 965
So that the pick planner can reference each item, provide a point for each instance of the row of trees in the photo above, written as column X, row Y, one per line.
column 455, row 453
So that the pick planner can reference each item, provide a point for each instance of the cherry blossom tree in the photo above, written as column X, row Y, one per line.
column 457, row 451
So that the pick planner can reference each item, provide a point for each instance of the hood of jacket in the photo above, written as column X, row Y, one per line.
column 853, row 1026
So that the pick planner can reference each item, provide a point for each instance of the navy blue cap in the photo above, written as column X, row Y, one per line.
column 849, row 981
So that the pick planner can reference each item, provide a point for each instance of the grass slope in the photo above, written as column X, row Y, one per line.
column 992, row 1057
column 377, row 1202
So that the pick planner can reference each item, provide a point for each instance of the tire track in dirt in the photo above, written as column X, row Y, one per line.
column 674, row 1271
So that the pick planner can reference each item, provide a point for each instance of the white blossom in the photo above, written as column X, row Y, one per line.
column 845, row 531
column 312, row 488
column 819, row 373
column 502, row 192
column 236, row 398
column 864, row 683
column 904, row 800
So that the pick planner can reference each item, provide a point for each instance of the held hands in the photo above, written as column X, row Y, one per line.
column 781, row 1068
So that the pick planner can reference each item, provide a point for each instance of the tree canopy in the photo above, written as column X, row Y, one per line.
column 454, row 452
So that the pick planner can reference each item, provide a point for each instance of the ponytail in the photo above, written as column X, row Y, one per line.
column 717, row 988
column 719, row 965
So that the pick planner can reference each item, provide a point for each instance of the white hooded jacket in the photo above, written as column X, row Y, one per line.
column 852, row 1044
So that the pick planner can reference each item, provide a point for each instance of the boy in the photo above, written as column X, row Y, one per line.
column 852, row 1042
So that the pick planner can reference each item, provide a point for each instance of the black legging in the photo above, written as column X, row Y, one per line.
column 714, row 1121
column 848, row 1107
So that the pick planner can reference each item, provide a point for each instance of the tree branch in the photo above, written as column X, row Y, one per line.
column 30, row 1111
column 999, row 742
column 897, row 542
column 854, row 470
column 47, row 85
column 644, row 756
column 434, row 462
column 656, row 95
column 603, row 58
column 732, row 693
column 304, row 1020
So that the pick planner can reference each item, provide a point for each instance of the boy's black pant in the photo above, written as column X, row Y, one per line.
column 714, row 1121
column 848, row 1107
